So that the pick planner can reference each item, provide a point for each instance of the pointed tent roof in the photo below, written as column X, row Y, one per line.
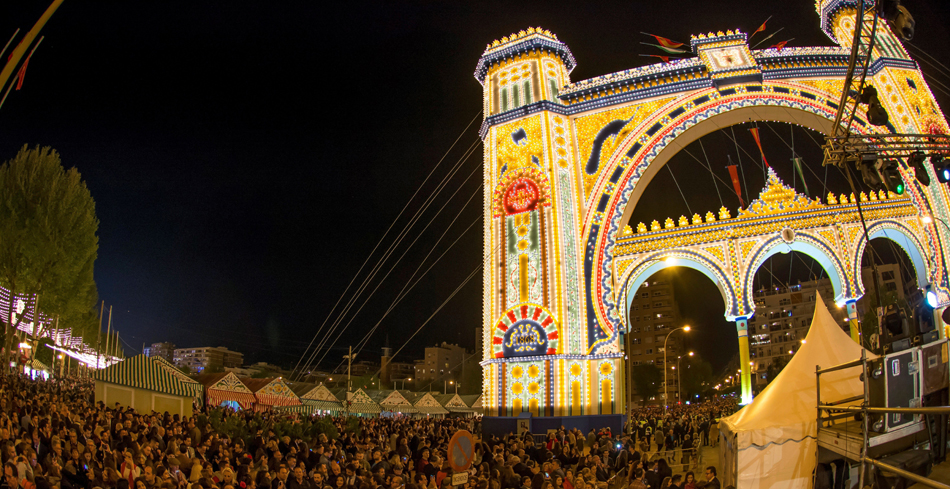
column 316, row 396
column 473, row 401
column 426, row 403
column 150, row 373
column 786, row 408
column 271, row 391
column 359, row 403
column 393, row 400
column 454, row 403
column 225, row 386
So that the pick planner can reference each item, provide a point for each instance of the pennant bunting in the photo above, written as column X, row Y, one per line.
column 668, row 50
column 735, row 183
column 758, row 142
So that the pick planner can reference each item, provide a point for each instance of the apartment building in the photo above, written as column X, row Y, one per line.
column 652, row 316
column 165, row 350
column 207, row 358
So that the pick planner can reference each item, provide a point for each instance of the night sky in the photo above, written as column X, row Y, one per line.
column 246, row 157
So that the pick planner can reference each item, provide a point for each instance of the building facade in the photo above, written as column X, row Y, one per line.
column 165, row 350
column 653, row 314
column 441, row 362
column 207, row 359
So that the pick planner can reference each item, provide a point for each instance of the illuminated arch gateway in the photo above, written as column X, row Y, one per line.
column 567, row 163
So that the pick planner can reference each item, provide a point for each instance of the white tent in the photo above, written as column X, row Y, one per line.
column 772, row 442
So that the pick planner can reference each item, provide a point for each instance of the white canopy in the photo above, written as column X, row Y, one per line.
column 772, row 442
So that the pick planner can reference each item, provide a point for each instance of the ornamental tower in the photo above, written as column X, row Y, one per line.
column 536, row 346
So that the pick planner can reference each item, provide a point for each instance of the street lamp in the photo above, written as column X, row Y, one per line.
column 445, row 388
column 679, row 376
column 666, row 399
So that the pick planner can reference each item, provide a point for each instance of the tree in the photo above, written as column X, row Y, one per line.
column 775, row 368
column 647, row 379
column 695, row 377
column 48, row 241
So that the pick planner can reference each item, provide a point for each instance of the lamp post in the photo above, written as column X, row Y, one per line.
column 445, row 386
column 666, row 399
column 679, row 375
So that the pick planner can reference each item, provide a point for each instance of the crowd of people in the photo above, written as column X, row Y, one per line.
column 54, row 435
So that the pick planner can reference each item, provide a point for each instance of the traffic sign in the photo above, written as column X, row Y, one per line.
column 461, row 451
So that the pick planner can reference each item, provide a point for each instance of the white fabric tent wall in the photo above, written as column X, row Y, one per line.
column 772, row 442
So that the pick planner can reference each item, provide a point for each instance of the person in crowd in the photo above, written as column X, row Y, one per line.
column 54, row 435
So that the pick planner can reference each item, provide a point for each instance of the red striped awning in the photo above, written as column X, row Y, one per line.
column 217, row 396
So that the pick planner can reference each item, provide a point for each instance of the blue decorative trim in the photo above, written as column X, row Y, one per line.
column 550, row 357
column 676, row 88
column 530, row 44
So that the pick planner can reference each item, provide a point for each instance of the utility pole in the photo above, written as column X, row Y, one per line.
column 36, row 329
column 99, row 335
column 109, row 332
column 349, row 365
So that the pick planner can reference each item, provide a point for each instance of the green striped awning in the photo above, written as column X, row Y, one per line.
column 196, row 387
column 431, row 409
column 143, row 372
column 399, row 408
column 362, row 408
column 297, row 408
column 323, row 405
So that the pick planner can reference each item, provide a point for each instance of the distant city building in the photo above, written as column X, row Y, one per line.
column 783, row 316
column 165, row 350
column 441, row 362
column 394, row 371
column 653, row 314
column 207, row 359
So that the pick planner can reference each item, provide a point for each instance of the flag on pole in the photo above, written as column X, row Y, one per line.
column 22, row 73
column 797, row 163
column 735, row 183
column 780, row 45
column 758, row 142
column 666, row 59
column 668, row 50
column 669, row 43
column 761, row 27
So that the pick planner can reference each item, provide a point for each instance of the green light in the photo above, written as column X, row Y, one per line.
column 899, row 189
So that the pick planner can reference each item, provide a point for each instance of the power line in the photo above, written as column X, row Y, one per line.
column 365, row 261
column 409, row 285
column 398, row 260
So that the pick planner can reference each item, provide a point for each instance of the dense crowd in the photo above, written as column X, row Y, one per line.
column 53, row 435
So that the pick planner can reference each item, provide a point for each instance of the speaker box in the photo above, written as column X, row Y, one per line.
column 895, row 382
column 933, row 364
